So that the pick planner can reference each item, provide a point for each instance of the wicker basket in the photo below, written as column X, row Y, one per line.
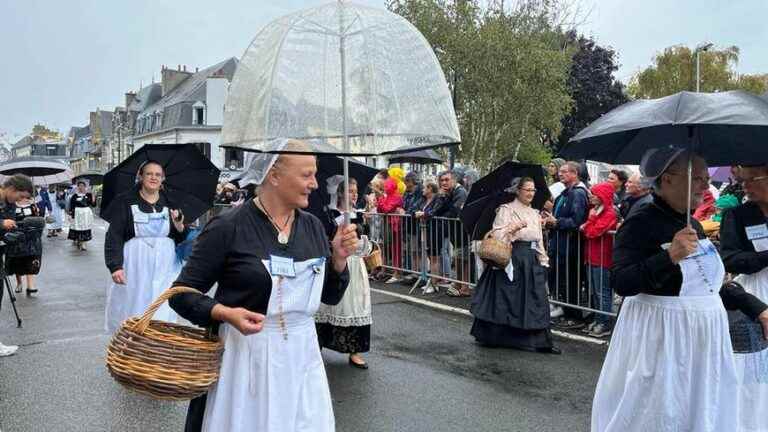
column 374, row 260
column 494, row 251
column 164, row 360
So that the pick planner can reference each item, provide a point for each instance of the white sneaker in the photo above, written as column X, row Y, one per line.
column 392, row 280
column 555, row 311
column 6, row 350
column 588, row 329
column 428, row 289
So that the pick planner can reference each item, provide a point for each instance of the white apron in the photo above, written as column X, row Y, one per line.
column 83, row 219
column 354, row 310
column 56, row 212
column 150, row 266
column 752, row 369
column 275, row 380
column 670, row 363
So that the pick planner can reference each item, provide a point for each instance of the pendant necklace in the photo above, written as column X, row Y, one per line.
column 282, row 237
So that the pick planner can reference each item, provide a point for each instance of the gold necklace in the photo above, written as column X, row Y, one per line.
column 282, row 237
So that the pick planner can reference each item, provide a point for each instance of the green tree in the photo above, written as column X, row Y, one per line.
column 674, row 70
column 507, row 69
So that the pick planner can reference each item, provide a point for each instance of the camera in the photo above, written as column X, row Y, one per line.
column 29, row 227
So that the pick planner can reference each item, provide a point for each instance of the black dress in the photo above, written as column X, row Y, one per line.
column 25, row 257
column 78, row 201
column 513, row 314
column 354, row 336
column 230, row 252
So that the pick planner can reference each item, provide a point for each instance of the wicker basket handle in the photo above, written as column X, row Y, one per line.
column 143, row 322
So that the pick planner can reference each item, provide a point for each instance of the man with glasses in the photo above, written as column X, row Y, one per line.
column 452, row 198
column 565, row 248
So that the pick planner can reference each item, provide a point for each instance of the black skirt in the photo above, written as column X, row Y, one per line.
column 513, row 314
column 82, row 236
column 25, row 265
column 348, row 340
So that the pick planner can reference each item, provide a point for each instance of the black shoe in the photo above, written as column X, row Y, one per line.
column 31, row 291
column 18, row 289
column 550, row 350
column 358, row 365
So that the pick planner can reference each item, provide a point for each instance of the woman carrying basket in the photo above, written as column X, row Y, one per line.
column 140, row 248
column 82, row 216
column 273, row 264
column 510, row 305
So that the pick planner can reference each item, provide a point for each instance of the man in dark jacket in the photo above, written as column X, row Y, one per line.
column 452, row 198
column 638, row 194
column 565, row 247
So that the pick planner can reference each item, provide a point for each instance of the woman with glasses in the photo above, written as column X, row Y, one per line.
column 744, row 247
column 510, row 305
column 140, row 248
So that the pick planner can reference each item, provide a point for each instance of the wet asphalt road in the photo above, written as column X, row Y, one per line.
column 426, row 372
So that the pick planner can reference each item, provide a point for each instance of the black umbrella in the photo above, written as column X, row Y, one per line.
column 329, row 166
column 422, row 157
column 727, row 128
column 33, row 166
column 92, row 177
column 190, row 178
column 489, row 193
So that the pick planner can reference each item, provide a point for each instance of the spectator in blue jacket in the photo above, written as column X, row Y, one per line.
column 565, row 248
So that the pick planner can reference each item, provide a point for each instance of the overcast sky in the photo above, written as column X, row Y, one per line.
column 61, row 59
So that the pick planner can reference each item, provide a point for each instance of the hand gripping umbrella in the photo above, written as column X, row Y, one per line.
column 190, row 178
column 349, row 80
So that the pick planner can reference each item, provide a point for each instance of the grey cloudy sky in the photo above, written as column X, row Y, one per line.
column 61, row 59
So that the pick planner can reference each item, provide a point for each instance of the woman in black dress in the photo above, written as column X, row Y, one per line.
column 273, row 264
column 510, row 305
column 24, row 257
column 82, row 216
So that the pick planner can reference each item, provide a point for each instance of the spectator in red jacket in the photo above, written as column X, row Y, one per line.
column 391, row 203
column 599, row 246
column 706, row 209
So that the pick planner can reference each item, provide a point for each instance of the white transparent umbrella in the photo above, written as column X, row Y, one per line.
column 350, row 79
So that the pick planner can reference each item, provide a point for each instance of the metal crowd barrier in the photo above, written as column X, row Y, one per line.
column 438, row 252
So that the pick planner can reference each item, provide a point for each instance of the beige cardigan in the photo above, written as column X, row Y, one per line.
column 510, row 214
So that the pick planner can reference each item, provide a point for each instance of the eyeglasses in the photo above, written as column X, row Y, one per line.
column 751, row 180
column 528, row 190
column 694, row 179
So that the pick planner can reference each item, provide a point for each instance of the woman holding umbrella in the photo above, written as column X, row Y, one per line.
column 80, row 211
column 140, row 248
column 346, row 327
column 670, row 364
column 510, row 305
column 273, row 264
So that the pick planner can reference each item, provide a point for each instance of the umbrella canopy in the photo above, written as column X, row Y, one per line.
column 92, row 177
column 329, row 166
column 727, row 128
column 359, row 80
column 33, row 166
column 489, row 193
column 190, row 178
column 422, row 157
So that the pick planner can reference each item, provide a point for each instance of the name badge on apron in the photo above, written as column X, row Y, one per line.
column 140, row 218
column 758, row 234
column 281, row 266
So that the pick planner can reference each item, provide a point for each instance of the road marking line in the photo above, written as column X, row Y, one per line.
column 465, row 312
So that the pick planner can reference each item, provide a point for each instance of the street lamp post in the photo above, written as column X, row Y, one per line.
column 699, row 50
